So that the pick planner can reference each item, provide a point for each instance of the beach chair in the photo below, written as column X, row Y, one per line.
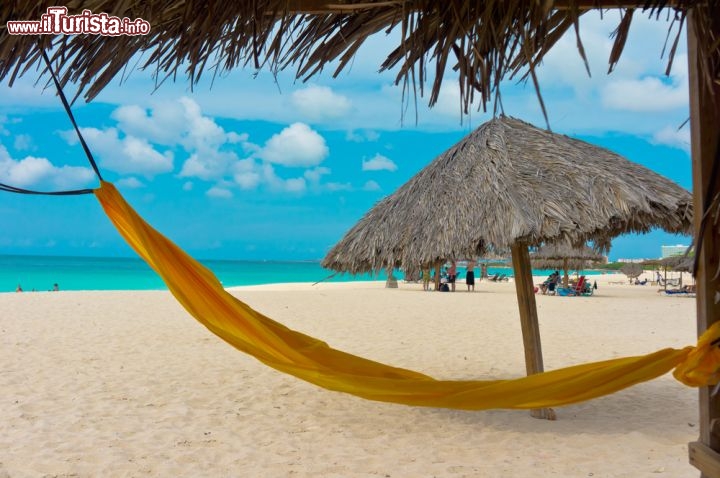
column 494, row 278
column 669, row 282
column 688, row 291
column 583, row 287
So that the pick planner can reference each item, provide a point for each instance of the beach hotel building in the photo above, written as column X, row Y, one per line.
column 669, row 251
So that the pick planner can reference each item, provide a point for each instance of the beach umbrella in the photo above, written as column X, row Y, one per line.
column 632, row 270
column 565, row 257
column 684, row 264
column 681, row 263
column 506, row 186
column 677, row 263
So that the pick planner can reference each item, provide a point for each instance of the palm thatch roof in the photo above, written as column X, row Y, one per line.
column 681, row 263
column 509, row 182
column 687, row 264
column 484, row 42
column 563, row 256
column 632, row 270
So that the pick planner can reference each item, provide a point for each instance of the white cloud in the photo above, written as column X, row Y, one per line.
column 187, row 186
column 295, row 185
column 23, row 142
column 320, row 102
column 129, row 148
column 379, row 163
column 32, row 171
column 314, row 175
column 648, row 94
column 218, row 192
column 130, row 183
column 128, row 155
column 298, row 145
column 363, row 135
column 371, row 186
column 235, row 138
column 201, row 132
column 448, row 102
column 27, row 93
column 164, row 124
column 213, row 164
column 338, row 186
column 247, row 180
column 182, row 123
column 276, row 183
column 247, row 174
column 674, row 137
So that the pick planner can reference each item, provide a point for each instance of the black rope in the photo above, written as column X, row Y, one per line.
column 327, row 278
column 73, row 192
column 70, row 115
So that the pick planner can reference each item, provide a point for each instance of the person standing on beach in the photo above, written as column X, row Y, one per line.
column 426, row 278
column 470, row 276
column 19, row 288
column 452, row 275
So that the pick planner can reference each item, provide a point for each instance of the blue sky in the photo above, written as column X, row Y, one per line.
column 252, row 166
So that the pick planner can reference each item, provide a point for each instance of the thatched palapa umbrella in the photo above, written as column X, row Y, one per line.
column 506, row 186
column 632, row 270
column 679, row 263
column 565, row 257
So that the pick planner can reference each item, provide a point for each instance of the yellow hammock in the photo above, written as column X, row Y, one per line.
column 199, row 291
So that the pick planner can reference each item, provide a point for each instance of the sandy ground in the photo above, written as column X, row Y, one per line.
column 117, row 384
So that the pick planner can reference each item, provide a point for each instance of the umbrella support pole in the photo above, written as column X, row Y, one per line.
column 528, row 318
column 705, row 140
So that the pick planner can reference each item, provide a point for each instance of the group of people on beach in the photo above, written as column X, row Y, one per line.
column 448, row 277
column 55, row 288
column 549, row 285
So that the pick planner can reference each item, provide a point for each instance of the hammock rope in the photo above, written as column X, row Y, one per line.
column 314, row 361
column 88, row 153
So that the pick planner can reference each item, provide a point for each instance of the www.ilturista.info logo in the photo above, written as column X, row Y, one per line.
column 57, row 22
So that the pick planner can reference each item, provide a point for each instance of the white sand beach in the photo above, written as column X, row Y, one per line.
column 127, row 384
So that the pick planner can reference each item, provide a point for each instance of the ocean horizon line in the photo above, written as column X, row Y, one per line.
column 136, row 257
column 44, row 272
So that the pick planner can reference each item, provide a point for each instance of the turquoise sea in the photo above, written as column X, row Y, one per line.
column 119, row 273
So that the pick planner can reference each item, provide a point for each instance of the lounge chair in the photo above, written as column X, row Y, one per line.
column 688, row 290
column 583, row 287
column 669, row 282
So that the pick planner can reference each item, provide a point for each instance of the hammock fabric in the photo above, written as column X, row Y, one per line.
column 307, row 358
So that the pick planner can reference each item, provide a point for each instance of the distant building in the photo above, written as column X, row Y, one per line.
column 631, row 260
column 669, row 251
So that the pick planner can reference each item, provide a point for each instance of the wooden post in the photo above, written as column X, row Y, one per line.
column 391, row 281
column 437, row 276
column 705, row 133
column 528, row 318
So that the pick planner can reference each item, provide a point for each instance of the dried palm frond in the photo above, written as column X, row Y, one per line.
column 484, row 41
column 510, row 182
